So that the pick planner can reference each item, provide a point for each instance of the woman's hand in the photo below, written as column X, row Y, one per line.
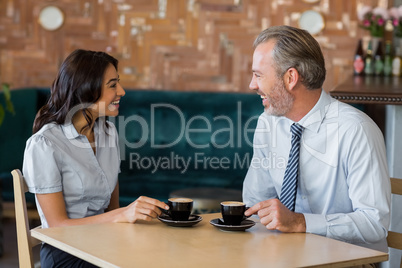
column 144, row 208
column 54, row 209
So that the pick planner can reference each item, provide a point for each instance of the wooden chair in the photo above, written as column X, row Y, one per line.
column 24, row 239
column 395, row 239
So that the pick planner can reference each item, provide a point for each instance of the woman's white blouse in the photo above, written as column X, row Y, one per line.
column 59, row 159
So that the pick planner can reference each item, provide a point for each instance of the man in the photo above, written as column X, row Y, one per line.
column 336, row 182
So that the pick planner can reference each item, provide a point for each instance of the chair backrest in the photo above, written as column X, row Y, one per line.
column 394, row 239
column 24, row 238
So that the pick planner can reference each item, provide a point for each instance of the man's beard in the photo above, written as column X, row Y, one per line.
column 281, row 101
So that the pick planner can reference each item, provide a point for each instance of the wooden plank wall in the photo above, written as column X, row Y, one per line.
column 191, row 45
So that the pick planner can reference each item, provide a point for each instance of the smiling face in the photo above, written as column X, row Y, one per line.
column 112, row 91
column 277, row 100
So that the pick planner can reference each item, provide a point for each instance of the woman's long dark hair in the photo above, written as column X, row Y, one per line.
column 78, row 82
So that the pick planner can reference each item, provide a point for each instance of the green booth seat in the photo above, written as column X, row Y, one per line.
column 169, row 140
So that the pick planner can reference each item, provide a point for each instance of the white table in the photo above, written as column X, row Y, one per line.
column 154, row 244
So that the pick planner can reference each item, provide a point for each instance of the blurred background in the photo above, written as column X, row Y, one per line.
column 189, row 45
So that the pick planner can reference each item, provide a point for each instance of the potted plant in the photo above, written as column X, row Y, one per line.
column 5, row 88
column 396, row 18
column 373, row 20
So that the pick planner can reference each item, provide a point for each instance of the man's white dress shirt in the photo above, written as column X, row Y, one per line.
column 343, row 188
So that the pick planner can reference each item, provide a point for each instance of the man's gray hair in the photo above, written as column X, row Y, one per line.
column 298, row 49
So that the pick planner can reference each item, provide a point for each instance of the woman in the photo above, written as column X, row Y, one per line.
column 72, row 161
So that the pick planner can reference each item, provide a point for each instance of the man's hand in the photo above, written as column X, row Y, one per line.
column 275, row 216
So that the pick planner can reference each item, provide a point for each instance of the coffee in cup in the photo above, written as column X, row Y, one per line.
column 233, row 212
column 180, row 208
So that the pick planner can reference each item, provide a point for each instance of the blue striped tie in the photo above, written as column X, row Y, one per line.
column 289, row 186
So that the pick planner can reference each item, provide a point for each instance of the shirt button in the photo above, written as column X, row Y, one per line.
column 304, row 197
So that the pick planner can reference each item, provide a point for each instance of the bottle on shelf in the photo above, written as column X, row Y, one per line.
column 396, row 62
column 368, row 60
column 388, row 58
column 358, row 62
column 379, row 60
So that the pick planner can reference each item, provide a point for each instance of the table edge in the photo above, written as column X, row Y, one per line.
column 36, row 233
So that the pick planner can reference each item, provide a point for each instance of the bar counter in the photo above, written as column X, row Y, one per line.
column 369, row 90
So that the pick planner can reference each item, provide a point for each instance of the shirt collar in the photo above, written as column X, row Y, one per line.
column 313, row 119
column 71, row 133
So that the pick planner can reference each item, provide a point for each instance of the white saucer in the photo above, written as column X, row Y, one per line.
column 51, row 18
column 312, row 21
